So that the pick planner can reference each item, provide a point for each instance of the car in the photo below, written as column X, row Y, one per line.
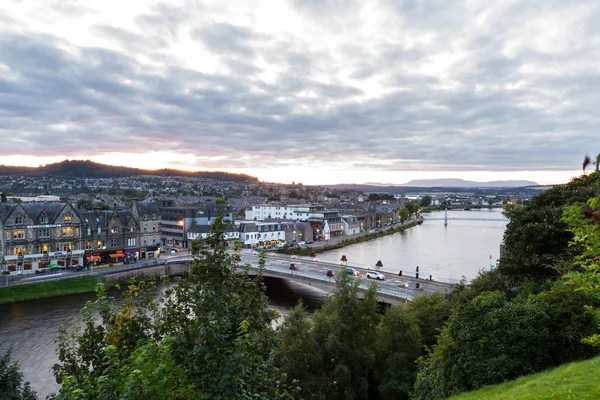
column 309, row 242
column 352, row 271
column 375, row 275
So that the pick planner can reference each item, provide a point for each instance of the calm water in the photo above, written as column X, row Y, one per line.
column 446, row 252
column 463, row 247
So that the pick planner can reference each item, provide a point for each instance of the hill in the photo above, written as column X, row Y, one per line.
column 89, row 169
column 577, row 380
column 461, row 183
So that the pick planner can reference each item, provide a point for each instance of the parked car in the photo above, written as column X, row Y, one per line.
column 375, row 275
column 352, row 271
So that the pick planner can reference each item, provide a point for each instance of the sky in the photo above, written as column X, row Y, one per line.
column 311, row 91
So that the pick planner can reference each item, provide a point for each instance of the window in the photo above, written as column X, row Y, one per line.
column 76, row 231
column 44, row 233
column 67, row 218
column 114, row 242
column 44, row 218
column 114, row 230
column 98, row 244
column 89, row 231
column 67, row 231
column 19, row 234
column 131, row 242
column 145, row 228
column 154, row 228
column 44, row 248
column 145, row 241
column 30, row 233
column 7, row 235
column 88, row 245
column 131, row 229
column 18, row 220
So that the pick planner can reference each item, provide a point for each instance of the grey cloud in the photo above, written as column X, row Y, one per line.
column 124, row 105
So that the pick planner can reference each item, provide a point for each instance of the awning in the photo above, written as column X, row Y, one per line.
column 117, row 255
column 95, row 258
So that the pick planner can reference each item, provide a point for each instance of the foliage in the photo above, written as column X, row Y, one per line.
column 430, row 313
column 3, row 198
column 536, row 235
column 403, row 214
column 398, row 346
column 425, row 201
column 209, row 336
column 12, row 386
column 489, row 341
column 340, row 345
column 584, row 223
column 577, row 380
column 570, row 323
column 413, row 207
column 380, row 196
column 509, row 208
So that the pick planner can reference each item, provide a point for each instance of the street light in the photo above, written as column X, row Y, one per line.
column 406, row 293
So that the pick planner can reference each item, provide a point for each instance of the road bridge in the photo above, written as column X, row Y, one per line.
column 308, row 270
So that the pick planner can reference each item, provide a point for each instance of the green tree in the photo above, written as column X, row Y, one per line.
column 425, row 201
column 537, row 237
column 398, row 346
column 12, row 386
column 403, row 214
column 489, row 341
column 209, row 336
column 412, row 207
column 334, row 356
column 430, row 313
column 298, row 354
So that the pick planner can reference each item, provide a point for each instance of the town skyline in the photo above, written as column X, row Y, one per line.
column 313, row 92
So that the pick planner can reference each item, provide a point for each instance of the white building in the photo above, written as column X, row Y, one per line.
column 260, row 212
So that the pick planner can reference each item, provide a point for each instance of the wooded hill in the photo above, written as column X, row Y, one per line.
column 89, row 169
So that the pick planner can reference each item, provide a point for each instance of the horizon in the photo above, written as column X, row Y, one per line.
column 386, row 91
column 371, row 182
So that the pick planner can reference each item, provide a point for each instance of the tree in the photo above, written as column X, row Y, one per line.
column 209, row 336
column 403, row 214
column 536, row 235
column 430, row 313
column 344, row 338
column 398, row 346
column 12, row 386
column 412, row 207
column 3, row 198
column 425, row 201
column 491, row 340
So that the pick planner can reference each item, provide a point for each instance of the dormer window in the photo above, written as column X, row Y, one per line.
column 44, row 218
column 18, row 220
column 67, row 218
column 114, row 229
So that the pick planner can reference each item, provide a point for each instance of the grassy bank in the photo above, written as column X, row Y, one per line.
column 578, row 380
column 41, row 290
column 305, row 251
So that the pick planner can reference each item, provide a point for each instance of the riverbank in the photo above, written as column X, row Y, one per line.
column 365, row 237
column 42, row 290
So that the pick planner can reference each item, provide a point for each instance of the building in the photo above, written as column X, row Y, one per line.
column 178, row 220
column 232, row 233
column 37, row 235
column 40, row 235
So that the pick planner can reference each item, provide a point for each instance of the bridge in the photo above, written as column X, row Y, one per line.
column 308, row 271
column 446, row 218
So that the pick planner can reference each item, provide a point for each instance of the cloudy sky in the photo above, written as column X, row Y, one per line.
column 312, row 91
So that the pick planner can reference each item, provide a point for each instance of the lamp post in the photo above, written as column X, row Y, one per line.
column 490, row 262
column 406, row 293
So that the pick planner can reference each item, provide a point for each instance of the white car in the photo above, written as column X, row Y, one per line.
column 375, row 275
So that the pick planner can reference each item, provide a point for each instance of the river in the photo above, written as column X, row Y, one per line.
column 447, row 252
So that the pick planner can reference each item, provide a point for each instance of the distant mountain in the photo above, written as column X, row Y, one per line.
column 461, row 183
column 89, row 169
